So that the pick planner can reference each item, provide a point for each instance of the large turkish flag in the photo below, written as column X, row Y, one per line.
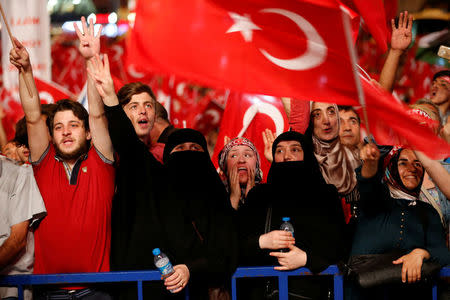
column 286, row 48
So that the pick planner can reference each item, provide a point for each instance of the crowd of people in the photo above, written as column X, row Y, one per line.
column 98, row 191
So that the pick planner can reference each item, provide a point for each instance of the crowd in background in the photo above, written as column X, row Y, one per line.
column 98, row 192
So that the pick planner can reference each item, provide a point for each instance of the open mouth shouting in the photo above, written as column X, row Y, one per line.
column 143, row 123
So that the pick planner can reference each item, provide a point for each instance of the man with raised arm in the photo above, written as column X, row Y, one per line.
column 400, row 41
column 75, row 174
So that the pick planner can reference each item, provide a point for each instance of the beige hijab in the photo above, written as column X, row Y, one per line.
column 337, row 162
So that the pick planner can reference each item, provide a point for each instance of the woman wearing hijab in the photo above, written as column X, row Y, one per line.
column 392, row 219
column 240, row 164
column 337, row 162
column 198, row 219
column 296, row 189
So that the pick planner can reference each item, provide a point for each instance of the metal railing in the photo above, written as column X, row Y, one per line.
column 20, row 281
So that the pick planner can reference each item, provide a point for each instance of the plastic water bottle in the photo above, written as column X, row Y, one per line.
column 163, row 263
column 287, row 226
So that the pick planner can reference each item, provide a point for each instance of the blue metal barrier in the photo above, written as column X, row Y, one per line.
column 283, row 279
column 139, row 276
column 23, row 280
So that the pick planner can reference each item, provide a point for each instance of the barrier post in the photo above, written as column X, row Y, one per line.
column 139, row 286
column 283, row 286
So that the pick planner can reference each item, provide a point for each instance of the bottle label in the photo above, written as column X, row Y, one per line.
column 166, row 269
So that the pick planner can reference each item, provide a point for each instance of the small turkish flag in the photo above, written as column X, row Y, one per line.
column 50, row 92
column 248, row 116
column 286, row 48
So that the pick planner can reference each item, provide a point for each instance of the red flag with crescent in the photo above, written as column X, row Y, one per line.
column 50, row 92
column 286, row 48
column 391, row 124
column 248, row 116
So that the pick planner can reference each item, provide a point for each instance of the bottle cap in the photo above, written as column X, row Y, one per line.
column 156, row 251
column 286, row 219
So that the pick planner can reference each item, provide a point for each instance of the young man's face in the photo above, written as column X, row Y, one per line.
column 141, row 111
column 10, row 151
column 70, row 137
column 349, row 131
column 440, row 90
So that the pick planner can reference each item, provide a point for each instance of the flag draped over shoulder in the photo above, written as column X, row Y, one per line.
column 286, row 48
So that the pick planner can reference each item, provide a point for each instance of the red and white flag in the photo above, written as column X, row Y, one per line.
column 50, row 92
column 286, row 48
column 248, row 116
column 390, row 124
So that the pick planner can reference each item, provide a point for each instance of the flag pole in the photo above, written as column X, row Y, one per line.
column 352, row 52
column 14, row 45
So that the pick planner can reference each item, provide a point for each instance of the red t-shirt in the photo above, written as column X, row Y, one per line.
column 76, row 234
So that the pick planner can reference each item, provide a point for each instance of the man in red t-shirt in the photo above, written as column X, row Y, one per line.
column 75, row 174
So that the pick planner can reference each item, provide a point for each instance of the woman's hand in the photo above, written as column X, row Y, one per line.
column 250, row 181
column 412, row 264
column 235, row 188
column 370, row 154
column 268, row 138
column 291, row 260
column 276, row 239
column 178, row 280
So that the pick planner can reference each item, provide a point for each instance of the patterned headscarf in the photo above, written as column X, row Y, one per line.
column 392, row 177
column 223, row 155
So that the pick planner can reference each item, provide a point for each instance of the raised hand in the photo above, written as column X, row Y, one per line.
column 291, row 260
column 100, row 73
column 226, row 140
column 268, row 138
column 250, row 181
column 370, row 154
column 89, row 42
column 235, row 188
column 19, row 57
column 276, row 239
column 178, row 280
column 401, row 35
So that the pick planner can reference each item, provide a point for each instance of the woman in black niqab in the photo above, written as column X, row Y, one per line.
column 294, row 189
column 198, row 218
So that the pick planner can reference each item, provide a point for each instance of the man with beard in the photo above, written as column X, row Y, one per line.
column 75, row 175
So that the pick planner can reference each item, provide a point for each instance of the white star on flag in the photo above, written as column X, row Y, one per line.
column 244, row 25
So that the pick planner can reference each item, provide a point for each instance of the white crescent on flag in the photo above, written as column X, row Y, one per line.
column 264, row 108
column 316, row 49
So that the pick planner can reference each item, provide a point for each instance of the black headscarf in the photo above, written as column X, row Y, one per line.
column 295, row 172
column 197, row 204
column 181, row 136
column 296, row 189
